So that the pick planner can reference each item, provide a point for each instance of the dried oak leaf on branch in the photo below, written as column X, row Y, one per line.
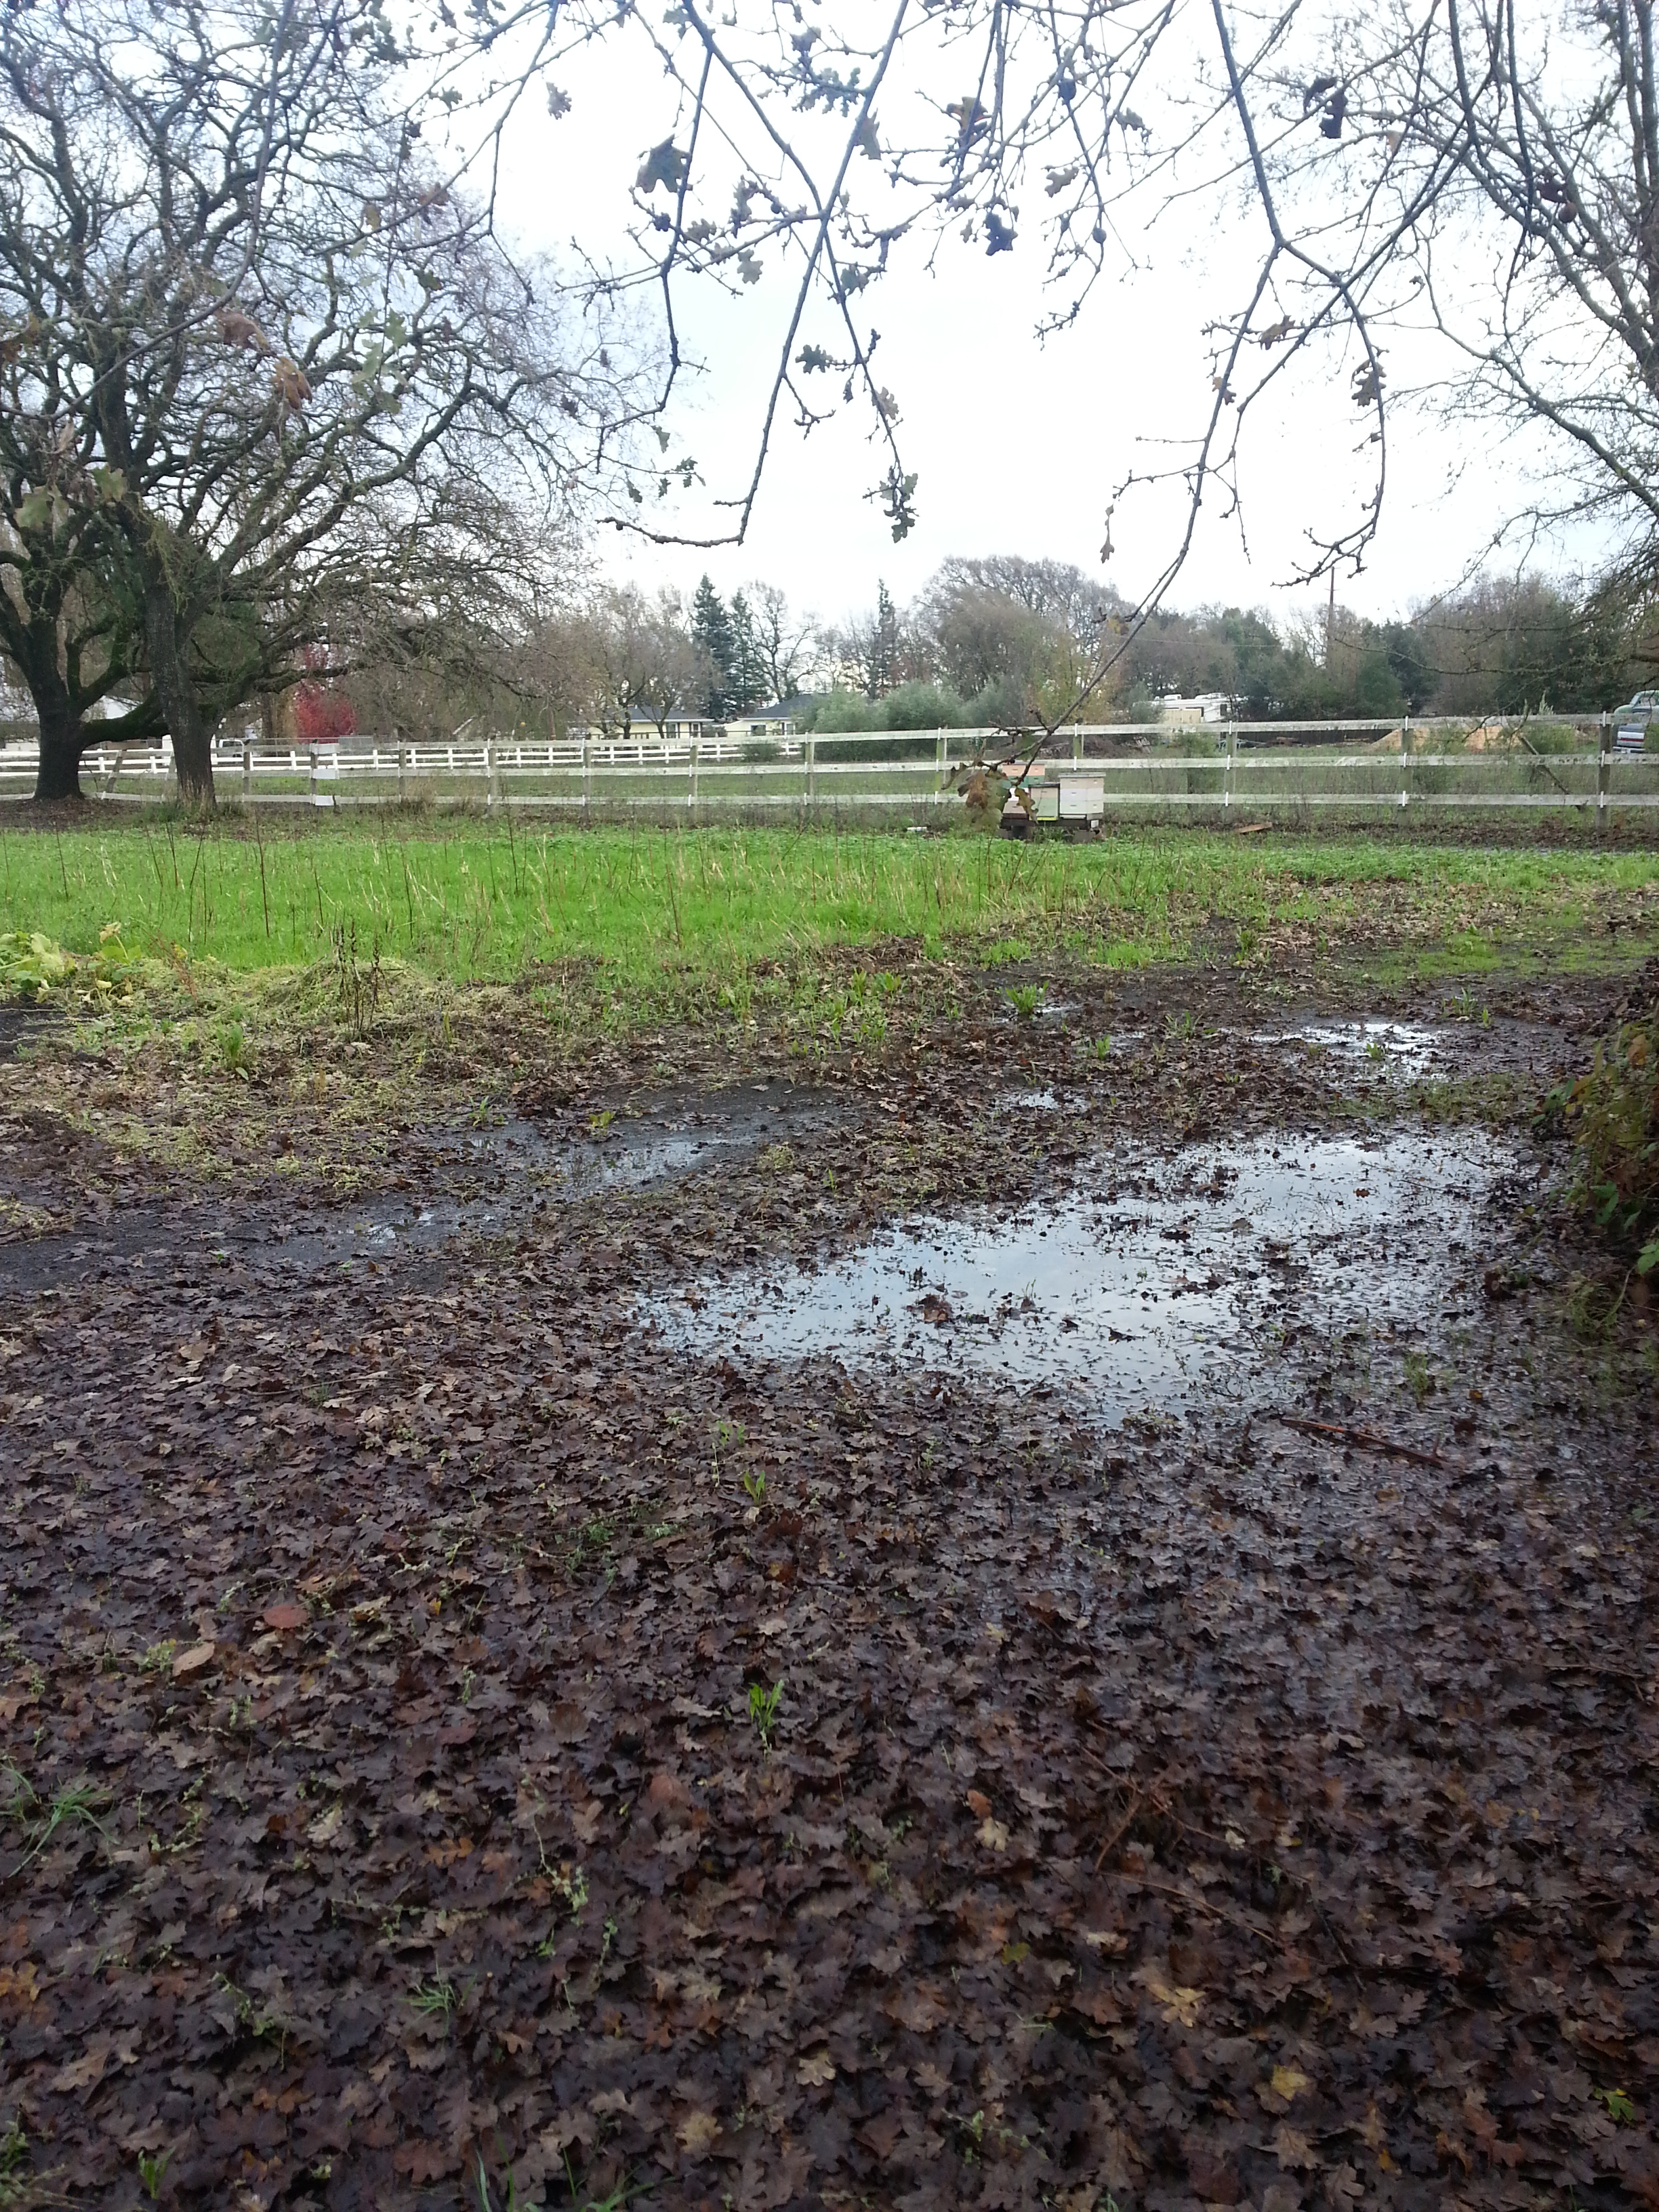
column 664, row 165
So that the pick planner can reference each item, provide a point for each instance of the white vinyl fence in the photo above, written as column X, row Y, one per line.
column 1080, row 775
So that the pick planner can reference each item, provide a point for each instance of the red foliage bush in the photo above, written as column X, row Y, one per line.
column 321, row 714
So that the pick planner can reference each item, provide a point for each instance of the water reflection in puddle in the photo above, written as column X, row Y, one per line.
column 1161, row 1281
column 1406, row 1047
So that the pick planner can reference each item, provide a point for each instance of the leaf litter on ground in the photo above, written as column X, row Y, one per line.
column 1183, row 1811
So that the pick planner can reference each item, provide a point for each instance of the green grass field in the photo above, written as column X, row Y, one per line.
column 479, row 903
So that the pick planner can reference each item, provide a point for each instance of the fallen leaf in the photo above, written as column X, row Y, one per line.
column 920, row 2009
column 189, row 1665
column 325, row 1829
column 815, row 2070
column 285, row 1616
column 82, row 2073
column 696, row 2133
column 1178, row 2005
column 1293, row 2150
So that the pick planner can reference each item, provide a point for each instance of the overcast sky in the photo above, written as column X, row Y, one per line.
column 1018, row 445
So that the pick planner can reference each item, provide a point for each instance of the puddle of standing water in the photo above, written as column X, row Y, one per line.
column 1162, row 1282
column 1405, row 1047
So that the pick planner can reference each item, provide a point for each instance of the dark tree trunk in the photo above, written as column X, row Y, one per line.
column 181, row 711
column 63, row 740
column 31, row 637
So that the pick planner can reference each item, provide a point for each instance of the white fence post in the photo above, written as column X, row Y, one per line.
column 1603, row 778
column 1232, row 763
column 812, row 769
column 247, row 769
column 691, row 778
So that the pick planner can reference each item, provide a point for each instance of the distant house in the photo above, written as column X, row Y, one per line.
column 685, row 725
column 773, row 721
column 679, row 727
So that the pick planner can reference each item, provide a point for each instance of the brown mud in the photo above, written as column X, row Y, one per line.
column 459, row 1728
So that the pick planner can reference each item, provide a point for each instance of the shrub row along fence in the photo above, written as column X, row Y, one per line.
column 1079, row 775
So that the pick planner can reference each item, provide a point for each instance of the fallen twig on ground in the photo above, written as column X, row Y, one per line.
column 1338, row 1433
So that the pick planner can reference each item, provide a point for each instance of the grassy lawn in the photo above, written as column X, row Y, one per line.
column 483, row 903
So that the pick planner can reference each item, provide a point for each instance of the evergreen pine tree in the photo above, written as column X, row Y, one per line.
column 711, row 632
column 883, row 645
column 749, row 688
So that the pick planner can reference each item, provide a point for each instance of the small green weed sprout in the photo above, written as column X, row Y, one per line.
column 755, row 1484
column 79, row 1801
column 1248, row 941
column 1102, row 1048
column 159, row 1657
column 150, row 2171
column 233, row 1049
column 1418, row 1380
column 434, row 1999
column 571, row 1884
column 763, row 1710
column 727, row 1437
column 1025, row 998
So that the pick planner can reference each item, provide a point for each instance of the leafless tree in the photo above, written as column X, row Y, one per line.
column 244, row 316
column 786, row 642
column 647, row 665
column 472, row 623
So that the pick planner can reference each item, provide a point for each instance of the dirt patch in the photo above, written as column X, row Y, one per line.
column 455, row 1730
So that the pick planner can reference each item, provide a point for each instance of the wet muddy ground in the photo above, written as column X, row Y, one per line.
column 1042, row 1612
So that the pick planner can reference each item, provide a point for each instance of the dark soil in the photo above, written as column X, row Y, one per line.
column 1191, row 1813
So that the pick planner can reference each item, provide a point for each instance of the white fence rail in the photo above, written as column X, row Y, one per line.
column 1081, row 774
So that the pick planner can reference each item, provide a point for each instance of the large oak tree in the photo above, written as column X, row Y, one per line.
column 259, row 357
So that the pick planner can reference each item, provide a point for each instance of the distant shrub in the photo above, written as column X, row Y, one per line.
column 922, row 707
column 1552, row 737
column 839, row 710
column 1194, row 744
column 761, row 749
